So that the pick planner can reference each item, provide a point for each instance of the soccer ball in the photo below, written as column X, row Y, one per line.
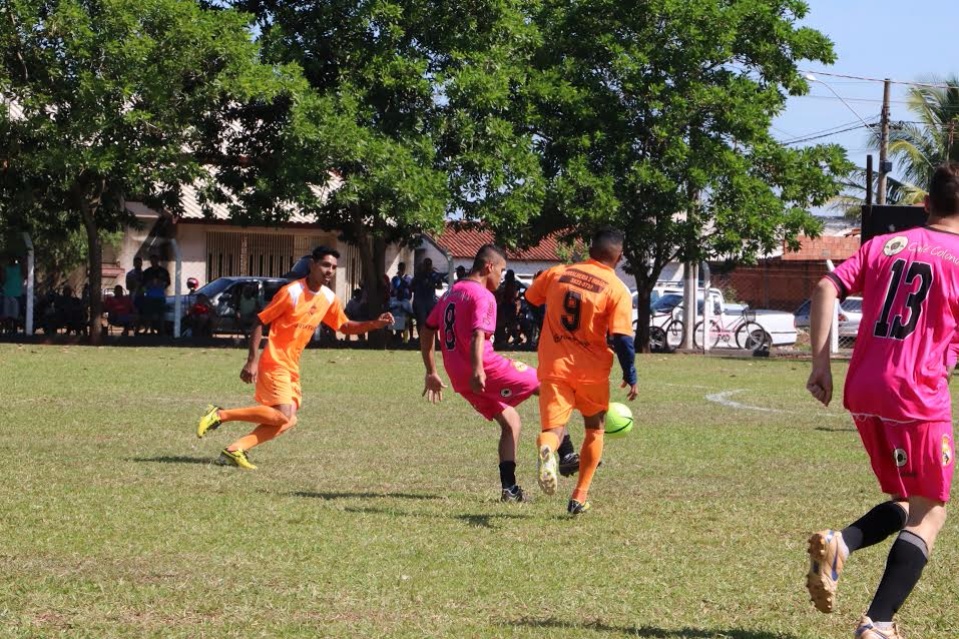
column 619, row 420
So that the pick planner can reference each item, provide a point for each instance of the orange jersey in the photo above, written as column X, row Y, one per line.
column 293, row 315
column 585, row 302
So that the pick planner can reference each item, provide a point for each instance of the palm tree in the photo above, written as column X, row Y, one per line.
column 853, row 196
column 931, row 139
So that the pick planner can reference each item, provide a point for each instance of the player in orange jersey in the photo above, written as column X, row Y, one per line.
column 293, row 315
column 585, row 303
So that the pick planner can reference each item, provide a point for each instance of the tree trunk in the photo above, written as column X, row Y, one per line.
column 646, row 278
column 373, row 259
column 94, row 251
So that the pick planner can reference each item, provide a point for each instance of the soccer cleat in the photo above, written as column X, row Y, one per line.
column 546, row 475
column 209, row 421
column 513, row 495
column 235, row 458
column 569, row 465
column 577, row 508
column 825, row 566
column 867, row 630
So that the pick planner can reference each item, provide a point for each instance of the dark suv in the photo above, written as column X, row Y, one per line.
column 224, row 294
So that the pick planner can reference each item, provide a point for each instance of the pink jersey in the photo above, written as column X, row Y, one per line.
column 907, row 338
column 467, row 307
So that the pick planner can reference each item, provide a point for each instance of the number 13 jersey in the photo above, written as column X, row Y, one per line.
column 907, row 339
column 585, row 302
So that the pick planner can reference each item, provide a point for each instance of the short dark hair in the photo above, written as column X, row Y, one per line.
column 487, row 253
column 944, row 189
column 607, row 244
column 322, row 251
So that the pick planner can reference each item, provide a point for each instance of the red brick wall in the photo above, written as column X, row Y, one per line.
column 774, row 284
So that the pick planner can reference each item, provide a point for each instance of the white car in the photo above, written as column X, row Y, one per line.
column 850, row 315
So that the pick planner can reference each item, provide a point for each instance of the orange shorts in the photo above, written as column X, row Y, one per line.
column 558, row 399
column 275, row 386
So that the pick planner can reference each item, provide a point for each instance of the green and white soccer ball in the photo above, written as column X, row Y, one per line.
column 619, row 420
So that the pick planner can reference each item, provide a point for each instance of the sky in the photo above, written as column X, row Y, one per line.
column 878, row 39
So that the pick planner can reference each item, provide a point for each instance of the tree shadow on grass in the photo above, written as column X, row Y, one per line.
column 366, row 495
column 651, row 632
column 174, row 459
column 476, row 521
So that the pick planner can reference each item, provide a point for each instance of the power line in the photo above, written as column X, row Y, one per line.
column 825, row 135
column 832, row 129
column 868, row 79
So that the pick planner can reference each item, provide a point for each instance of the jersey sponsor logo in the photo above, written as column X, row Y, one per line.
column 520, row 366
column 895, row 245
column 899, row 455
column 583, row 280
column 946, row 450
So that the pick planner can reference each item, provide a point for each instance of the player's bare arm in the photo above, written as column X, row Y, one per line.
column 248, row 374
column 352, row 327
column 821, row 313
column 478, row 378
column 433, row 384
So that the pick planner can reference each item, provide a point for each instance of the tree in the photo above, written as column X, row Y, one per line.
column 408, row 110
column 932, row 139
column 101, row 100
column 654, row 115
column 853, row 196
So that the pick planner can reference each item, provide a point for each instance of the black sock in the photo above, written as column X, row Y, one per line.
column 566, row 447
column 907, row 558
column 880, row 522
column 507, row 474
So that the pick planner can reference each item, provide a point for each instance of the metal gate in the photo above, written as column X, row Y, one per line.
column 233, row 254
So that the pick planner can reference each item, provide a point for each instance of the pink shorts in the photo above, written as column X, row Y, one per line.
column 914, row 459
column 506, row 386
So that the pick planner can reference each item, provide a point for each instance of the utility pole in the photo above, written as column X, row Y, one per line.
column 884, row 165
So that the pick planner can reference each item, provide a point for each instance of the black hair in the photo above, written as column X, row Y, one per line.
column 607, row 244
column 944, row 189
column 322, row 251
column 487, row 253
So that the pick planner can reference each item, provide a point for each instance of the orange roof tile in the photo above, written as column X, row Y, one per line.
column 463, row 242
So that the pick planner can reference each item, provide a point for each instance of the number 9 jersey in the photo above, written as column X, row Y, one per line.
column 907, row 339
column 585, row 302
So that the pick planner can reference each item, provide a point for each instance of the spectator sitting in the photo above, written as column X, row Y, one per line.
column 356, row 309
column 247, row 308
column 120, row 311
column 70, row 312
column 199, row 318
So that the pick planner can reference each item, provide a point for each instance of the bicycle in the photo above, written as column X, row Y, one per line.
column 668, row 336
column 746, row 331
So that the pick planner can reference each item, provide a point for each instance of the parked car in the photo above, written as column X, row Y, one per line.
column 224, row 293
column 850, row 314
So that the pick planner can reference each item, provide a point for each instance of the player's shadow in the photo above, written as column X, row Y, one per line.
column 476, row 521
column 836, row 429
column 174, row 459
column 367, row 495
column 651, row 632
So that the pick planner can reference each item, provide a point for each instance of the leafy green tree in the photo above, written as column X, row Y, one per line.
column 654, row 116
column 102, row 100
column 410, row 111
column 853, row 196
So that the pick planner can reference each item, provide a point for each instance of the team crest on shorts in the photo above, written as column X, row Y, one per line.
column 946, row 450
column 506, row 392
column 520, row 366
column 900, row 456
column 895, row 245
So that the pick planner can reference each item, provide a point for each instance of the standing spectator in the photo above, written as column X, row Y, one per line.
column 119, row 310
column 156, row 272
column 401, row 286
column 135, row 278
column 12, row 290
column 507, row 306
column 424, row 286
column 460, row 272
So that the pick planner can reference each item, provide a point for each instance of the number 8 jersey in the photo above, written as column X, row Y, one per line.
column 907, row 339
column 585, row 302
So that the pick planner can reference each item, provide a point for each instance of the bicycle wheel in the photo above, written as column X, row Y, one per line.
column 712, row 335
column 657, row 340
column 752, row 337
column 674, row 334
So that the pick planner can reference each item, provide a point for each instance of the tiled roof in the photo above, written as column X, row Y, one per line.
column 827, row 247
column 465, row 242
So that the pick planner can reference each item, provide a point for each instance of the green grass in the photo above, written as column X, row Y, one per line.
column 378, row 515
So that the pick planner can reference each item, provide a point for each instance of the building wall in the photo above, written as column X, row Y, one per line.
column 773, row 284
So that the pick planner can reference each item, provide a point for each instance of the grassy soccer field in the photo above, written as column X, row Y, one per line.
column 378, row 515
